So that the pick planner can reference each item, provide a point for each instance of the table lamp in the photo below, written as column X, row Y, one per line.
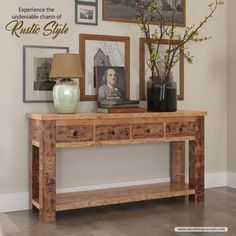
column 66, row 92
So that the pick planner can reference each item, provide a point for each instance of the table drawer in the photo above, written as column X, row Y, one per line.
column 112, row 132
column 176, row 129
column 150, row 130
column 78, row 133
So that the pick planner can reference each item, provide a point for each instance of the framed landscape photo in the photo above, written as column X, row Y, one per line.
column 37, row 86
column 125, row 11
column 102, row 50
column 86, row 12
column 145, row 72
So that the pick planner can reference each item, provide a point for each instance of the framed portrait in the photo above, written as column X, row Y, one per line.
column 145, row 72
column 86, row 12
column 125, row 11
column 37, row 86
column 110, row 83
column 102, row 50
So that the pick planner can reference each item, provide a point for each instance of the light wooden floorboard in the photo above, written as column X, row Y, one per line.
column 147, row 218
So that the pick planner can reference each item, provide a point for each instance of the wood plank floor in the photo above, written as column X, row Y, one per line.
column 148, row 218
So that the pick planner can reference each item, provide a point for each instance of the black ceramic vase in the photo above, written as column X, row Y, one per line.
column 161, row 95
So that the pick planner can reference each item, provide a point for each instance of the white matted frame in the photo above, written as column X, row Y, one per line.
column 102, row 50
column 86, row 12
column 33, row 56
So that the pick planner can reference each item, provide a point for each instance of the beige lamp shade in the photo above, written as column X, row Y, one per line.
column 66, row 65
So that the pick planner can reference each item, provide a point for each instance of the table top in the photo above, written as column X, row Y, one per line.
column 95, row 115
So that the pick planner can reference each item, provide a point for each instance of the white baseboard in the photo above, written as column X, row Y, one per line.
column 14, row 202
column 213, row 180
column 231, row 179
column 20, row 201
column 113, row 185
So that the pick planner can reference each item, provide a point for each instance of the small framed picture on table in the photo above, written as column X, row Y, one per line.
column 110, row 83
column 86, row 12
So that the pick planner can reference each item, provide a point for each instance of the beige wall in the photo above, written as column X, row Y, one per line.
column 231, row 136
column 205, row 89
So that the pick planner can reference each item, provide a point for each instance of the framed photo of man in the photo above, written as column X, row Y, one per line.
column 110, row 83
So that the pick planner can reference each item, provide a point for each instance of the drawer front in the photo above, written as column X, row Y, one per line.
column 79, row 133
column 152, row 130
column 177, row 129
column 112, row 132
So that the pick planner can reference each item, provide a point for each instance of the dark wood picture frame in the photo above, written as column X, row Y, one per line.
column 83, row 38
column 142, row 42
column 30, row 53
column 132, row 11
column 89, row 4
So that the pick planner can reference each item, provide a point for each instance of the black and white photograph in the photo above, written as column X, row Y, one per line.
column 102, row 51
column 125, row 10
column 86, row 12
column 110, row 82
column 37, row 86
column 42, row 82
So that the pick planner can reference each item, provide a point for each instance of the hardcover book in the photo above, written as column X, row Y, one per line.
column 121, row 110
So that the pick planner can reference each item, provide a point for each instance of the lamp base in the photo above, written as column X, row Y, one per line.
column 66, row 95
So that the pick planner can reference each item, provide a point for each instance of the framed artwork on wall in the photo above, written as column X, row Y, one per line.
column 37, row 86
column 145, row 73
column 86, row 12
column 102, row 50
column 125, row 11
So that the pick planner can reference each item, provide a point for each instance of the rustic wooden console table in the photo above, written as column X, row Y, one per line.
column 47, row 132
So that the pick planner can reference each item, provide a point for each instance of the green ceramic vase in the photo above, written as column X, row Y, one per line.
column 66, row 95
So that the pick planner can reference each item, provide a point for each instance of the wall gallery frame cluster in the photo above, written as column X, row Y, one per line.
column 95, row 50
column 99, row 50
column 107, row 50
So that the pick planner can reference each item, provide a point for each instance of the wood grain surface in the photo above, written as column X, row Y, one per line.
column 81, row 115
column 51, row 131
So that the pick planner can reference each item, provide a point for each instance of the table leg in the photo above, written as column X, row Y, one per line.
column 47, row 172
column 177, row 168
column 33, row 168
column 196, row 161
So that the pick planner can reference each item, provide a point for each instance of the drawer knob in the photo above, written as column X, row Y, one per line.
column 75, row 134
column 148, row 131
column 113, row 132
column 127, row 132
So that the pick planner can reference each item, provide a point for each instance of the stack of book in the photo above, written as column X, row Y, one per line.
column 120, row 106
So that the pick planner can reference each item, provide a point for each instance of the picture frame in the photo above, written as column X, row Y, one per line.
column 110, row 83
column 37, row 87
column 86, row 12
column 102, row 50
column 145, row 73
column 124, row 11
